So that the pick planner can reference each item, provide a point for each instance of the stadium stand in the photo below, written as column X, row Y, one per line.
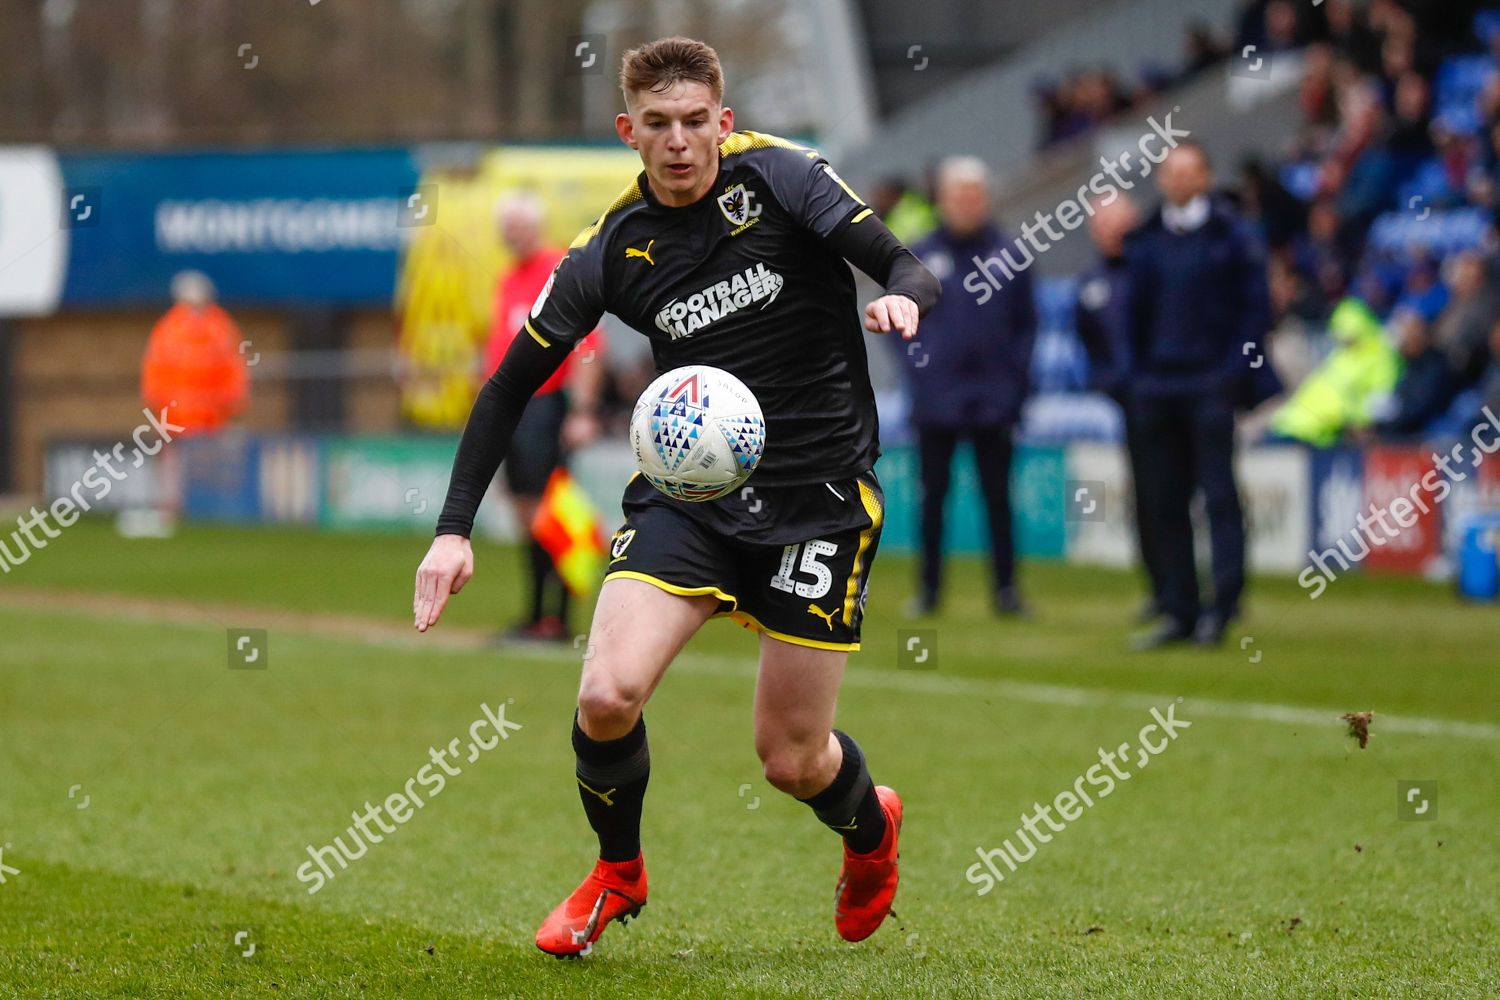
column 1385, row 191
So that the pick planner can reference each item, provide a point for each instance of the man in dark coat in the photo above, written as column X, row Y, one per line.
column 1101, row 320
column 1198, row 314
column 969, row 371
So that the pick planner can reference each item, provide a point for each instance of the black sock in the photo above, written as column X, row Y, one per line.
column 612, row 776
column 849, row 805
column 540, row 565
column 555, row 594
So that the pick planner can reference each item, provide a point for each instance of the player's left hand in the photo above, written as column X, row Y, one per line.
column 892, row 312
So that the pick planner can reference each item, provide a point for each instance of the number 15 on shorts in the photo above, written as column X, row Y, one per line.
column 809, row 565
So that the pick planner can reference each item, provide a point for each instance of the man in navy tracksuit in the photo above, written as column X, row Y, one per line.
column 1198, row 313
column 969, row 372
column 1101, row 321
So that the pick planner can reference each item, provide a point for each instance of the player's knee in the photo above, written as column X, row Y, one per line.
column 608, row 702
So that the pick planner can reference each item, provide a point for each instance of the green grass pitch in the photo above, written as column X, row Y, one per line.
column 155, row 805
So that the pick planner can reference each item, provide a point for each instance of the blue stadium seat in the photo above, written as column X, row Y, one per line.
column 1301, row 179
column 1429, row 182
column 1486, row 25
column 1058, row 364
column 1054, row 302
column 1459, row 82
column 1060, row 417
column 1440, row 234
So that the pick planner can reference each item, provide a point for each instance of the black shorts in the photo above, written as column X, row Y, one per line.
column 536, row 448
column 792, row 562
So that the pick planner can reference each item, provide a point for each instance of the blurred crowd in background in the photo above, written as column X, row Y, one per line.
column 1084, row 99
column 1378, row 216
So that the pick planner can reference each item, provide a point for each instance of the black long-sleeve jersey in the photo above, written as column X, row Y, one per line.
column 751, row 279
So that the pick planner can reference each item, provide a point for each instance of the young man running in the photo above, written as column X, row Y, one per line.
column 729, row 250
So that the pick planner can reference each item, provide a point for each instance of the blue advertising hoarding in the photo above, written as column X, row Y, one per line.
column 1036, row 487
column 270, row 228
column 1336, row 496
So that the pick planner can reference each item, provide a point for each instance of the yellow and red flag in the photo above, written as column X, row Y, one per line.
column 568, row 526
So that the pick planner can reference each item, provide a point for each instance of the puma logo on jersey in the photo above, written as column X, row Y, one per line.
column 603, row 796
column 645, row 254
column 684, row 317
column 827, row 616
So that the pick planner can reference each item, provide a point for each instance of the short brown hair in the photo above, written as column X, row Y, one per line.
column 660, row 65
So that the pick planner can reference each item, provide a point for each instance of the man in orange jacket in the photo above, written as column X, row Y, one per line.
column 193, row 367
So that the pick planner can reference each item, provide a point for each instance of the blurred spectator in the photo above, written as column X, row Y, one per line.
column 1463, row 330
column 1484, row 180
column 1292, row 297
column 1103, row 294
column 1449, row 24
column 1410, row 136
column 1319, row 255
column 1489, row 386
column 1284, row 29
column 1202, row 48
column 1274, row 26
column 1081, row 102
column 1489, row 97
column 1426, row 386
column 1266, row 201
column 1424, row 295
column 1349, row 31
column 1336, row 398
column 563, row 414
column 1368, row 182
column 1446, row 336
column 968, row 374
column 903, row 209
column 1398, row 56
column 194, row 369
column 1316, row 93
column 1400, row 102
column 1103, row 291
column 1198, row 315
column 196, row 374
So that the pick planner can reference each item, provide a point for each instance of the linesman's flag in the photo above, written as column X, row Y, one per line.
column 568, row 526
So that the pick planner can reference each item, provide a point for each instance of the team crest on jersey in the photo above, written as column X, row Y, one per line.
column 738, row 205
column 621, row 542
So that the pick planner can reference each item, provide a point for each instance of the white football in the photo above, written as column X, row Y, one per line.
column 697, row 432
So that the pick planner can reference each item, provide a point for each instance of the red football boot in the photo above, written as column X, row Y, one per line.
column 867, row 885
column 614, row 890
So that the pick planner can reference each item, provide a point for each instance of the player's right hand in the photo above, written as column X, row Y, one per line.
column 445, row 570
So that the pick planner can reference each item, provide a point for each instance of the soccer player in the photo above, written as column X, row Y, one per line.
column 729, row 250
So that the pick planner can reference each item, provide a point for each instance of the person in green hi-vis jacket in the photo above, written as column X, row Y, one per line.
column 1337, row 396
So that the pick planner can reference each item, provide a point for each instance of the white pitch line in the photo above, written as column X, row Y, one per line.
column 389, row 636
column 1056, row 694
